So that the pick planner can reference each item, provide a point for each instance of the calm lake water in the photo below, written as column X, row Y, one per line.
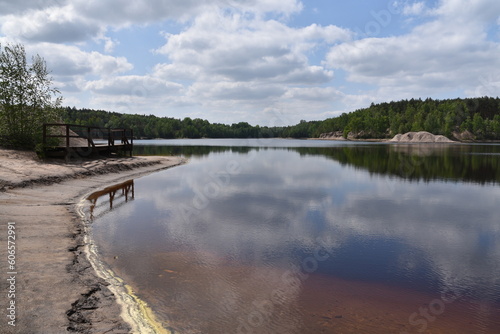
column 289, row 236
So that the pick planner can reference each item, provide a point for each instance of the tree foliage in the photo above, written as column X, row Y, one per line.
column 480, row 116
column 26, row 97
column 150, row 126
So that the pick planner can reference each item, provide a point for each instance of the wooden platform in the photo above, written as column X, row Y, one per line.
column 70, row 140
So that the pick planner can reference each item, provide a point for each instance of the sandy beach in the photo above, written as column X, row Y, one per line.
column 48, row 285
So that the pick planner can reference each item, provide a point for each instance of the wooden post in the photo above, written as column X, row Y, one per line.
column 131, row 142
column 67, row 135
column 110, row 137
column 44, row 140
column 126, row 142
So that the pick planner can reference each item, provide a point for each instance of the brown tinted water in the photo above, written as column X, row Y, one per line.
column 342, row 239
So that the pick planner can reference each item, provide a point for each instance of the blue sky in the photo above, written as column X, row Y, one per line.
column 267, row 62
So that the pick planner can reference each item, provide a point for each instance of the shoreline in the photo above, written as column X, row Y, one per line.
column 57, row 288
column 134, row 311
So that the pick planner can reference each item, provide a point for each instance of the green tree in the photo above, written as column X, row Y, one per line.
column 449, row 123
column 432, row 122
column 26, row 97
column 418, row 120
column 478, row 126
column 496, row 126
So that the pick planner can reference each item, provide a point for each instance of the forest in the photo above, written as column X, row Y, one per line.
column 478, row 116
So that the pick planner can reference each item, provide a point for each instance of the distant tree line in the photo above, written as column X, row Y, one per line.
column 479, row 116
column 150, row 126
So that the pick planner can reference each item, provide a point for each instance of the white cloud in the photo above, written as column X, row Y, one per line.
column 235, row 62
column 56, row 24
column 179, row 72
column 66, row 60
column 236, row 48
column 79, row 20
column 135, row 94
column 314, row 94
column 19, row 7
column 124, row 13
column 442, row 55
column 134, row 85
column 472, row 11
column 231, row 55
column 248, row 56
column 236, row 91
column 110, row 44
column 286, row 7
column 416, row 8
column 245, row 63
column 328, row 34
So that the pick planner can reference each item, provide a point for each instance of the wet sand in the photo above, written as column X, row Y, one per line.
column 52, row 285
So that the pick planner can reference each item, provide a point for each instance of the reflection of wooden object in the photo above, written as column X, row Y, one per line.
column 123, row 190
column 86, row 140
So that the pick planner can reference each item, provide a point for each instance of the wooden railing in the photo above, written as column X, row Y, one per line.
column 117, row 195
column 95, row 139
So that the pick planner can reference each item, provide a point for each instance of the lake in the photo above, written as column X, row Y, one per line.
column 306, row 236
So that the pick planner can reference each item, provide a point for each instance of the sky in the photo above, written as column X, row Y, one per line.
column 265, row 62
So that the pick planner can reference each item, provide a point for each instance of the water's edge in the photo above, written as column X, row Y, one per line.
column 134, row 311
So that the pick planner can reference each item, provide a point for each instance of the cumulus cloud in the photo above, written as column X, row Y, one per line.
column 180, row 72
column 54, row 24
column 251, row 56
column 314, row 93
column 110, row 44
column 228, row 51
column 478, row 11
column 416, row 8
column 236, row 62
column 237, row 91
column 17, row 7
column 65, row 60
column 124, row 13
column 448, row 53
column 139, row 86
column 232, row 61
column 119, row 12
column 241, row 49
column 60, row 21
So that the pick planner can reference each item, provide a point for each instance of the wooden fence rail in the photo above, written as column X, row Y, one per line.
column 67, row 139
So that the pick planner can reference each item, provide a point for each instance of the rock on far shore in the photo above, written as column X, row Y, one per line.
column 420, row 137
column 337, row 135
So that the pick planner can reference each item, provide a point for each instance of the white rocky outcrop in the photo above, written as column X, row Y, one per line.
column 420, row 137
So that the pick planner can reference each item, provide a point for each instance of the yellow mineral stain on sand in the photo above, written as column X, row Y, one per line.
column 135, row 311
column 146, row 314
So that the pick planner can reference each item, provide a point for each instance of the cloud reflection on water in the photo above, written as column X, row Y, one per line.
column 270, row 215
column 284, row 199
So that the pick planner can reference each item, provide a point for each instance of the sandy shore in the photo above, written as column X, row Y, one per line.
column 52, row 287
